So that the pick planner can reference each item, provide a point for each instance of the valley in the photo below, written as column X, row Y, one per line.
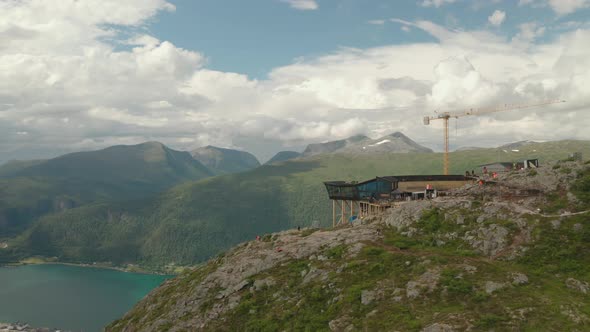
column 187, row 224
column 193, row 221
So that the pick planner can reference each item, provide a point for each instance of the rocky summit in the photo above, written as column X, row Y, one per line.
column 512, row 254
column 355, row 145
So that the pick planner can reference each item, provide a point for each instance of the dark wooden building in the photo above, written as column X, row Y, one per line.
column 382, row 192
column 387, row 187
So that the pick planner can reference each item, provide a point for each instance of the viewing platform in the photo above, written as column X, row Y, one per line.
column 354, row 200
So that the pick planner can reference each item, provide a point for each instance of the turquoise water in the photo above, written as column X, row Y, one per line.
column 70, row 297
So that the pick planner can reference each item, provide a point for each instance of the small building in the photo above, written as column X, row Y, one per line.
column 507, row 166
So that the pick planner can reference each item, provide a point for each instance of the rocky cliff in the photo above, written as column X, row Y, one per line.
column 513, row 254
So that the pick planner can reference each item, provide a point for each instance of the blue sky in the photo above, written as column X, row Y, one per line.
column 253, row 37
column 271, row 75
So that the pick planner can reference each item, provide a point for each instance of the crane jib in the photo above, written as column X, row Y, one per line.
column 447, row 115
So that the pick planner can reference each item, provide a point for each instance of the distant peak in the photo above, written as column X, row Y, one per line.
column 357, row 138
column 216, row 148
column 153, row 144
column 398, row 134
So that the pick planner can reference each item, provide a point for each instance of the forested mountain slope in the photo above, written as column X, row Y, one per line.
column 194, row 221
column 283, row 156
column 225, row 161
column 31, row 189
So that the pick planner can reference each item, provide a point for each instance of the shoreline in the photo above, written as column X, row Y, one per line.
column 137, row 270
column 25, row 327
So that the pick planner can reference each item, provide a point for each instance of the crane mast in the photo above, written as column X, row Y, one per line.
column 445, row 116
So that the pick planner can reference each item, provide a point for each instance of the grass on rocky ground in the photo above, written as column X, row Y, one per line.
column 297, row 302
column 460, row 297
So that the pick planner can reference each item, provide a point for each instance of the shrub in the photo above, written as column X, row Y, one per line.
column 581, row 187
column 373, row 251
column 336, row 252
column 456, row 285
column 430, row 221
column 490, row 321
column 555, row 202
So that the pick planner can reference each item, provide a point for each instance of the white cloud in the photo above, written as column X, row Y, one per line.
column 124, row 117
column 376, row 22
column 563, row 7
column 497, row 18
column 303, row 4
column 436, row 3
column 64, row 68
column 528, row 32
column 458, row 83
column 560, row 7
column 526, row 2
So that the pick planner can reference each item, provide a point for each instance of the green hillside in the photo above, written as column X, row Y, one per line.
column 14, row 166
column 283, row 156
column 474, row 260
column 193, row 221
column 32, row 189
column 225, row 161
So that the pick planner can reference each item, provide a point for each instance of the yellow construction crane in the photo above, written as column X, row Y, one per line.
column 445, row 116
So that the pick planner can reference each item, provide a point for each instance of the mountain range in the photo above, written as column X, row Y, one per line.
column 196, row 219
column 360, row 144
column 32, row 189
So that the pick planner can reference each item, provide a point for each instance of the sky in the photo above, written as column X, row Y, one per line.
column 271, row 75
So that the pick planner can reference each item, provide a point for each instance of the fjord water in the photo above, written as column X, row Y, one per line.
column 70, row 297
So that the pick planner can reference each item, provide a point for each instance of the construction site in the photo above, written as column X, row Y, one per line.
column 356, row 200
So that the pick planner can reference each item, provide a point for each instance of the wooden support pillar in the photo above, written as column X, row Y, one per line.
column 343, row 211
column 333, row 213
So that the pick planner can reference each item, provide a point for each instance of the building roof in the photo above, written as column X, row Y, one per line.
column 503, row 163
column 402, row 178
column 341, row 183
column 414, row 178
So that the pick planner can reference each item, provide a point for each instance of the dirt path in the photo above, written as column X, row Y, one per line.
column 565, row 214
